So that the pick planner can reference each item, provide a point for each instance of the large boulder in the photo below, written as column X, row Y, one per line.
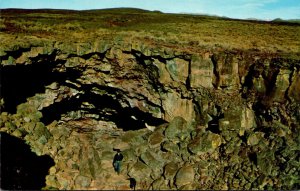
column 155, row 139
column 176, row 127
column 170, row 170
column 83, row 181
column 204, row 143
column 184, row 176
column 140, row 171
column 151, row 159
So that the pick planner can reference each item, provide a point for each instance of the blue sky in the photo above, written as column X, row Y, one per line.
column 260, row 9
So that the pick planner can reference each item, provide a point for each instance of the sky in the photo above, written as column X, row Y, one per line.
column 241, row 9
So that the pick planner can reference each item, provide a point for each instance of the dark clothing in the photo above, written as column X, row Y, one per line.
column 117, row 162
column 132, row 183
column 118, row 157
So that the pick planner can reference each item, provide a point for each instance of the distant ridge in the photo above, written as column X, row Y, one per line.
column 122, row 9
column 129, row 10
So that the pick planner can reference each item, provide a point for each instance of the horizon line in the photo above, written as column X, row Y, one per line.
column 183, row 13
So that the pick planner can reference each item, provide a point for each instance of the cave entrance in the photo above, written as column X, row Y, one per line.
column 21, row 169
column 213, row 125
column 18, row 82
column 105, row 106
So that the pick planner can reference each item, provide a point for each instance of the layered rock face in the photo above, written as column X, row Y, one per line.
column 192, row 118
column 206, row 120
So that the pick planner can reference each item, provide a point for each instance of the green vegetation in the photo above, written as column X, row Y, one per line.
column 172, row 30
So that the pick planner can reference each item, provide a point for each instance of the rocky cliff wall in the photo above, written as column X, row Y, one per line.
column 193, row 119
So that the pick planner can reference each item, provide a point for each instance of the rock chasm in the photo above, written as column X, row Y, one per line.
column 184, row 116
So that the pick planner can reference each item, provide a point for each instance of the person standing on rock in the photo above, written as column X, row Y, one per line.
column 117, row 161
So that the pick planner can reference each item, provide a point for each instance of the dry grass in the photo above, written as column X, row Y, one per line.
column 152, row 27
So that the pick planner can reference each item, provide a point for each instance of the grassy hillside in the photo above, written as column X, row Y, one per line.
column 175, row 30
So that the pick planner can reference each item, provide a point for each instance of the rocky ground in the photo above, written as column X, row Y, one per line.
column 188, row 117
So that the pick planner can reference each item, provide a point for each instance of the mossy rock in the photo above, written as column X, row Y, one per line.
column 175, row 128
column 29, row 127
column 255, row 138
column 133, row 137
column 11, row 60
column 41, row 130
column 191, row 186
column 140, row 171
column 231, row 146
column 26, row 109
column 60, row 131
column 265, row 162
column 86, row 168
column 83, row 181
column 151, row 159
column 155, row 139
column 36, row 147
column 49, row 188
column 17, row 133
column 203, row 164
column 36, row 116
column 204, row 143
column 10, row 126
column 74, row 62
column 42, row 140
column 4, row 117
column 184, row 176
column 107, row 155
column 158, row 184
column 129, row 155
column 51, row 182
column 139, row 149
column 170, row 170
column 170, row 147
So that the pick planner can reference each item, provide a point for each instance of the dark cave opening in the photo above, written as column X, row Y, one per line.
column 54, row 111
column 15, row 53
column 19, row 82
column 22, row 169
column 134, row 119
column 253, row 158
column 213, row 125
column 106, row 106
column 260, row 109
column 248, row 83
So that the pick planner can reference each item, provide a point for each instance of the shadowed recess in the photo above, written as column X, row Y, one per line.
column 108, row 109
column 21, row 169
column 22, row 81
